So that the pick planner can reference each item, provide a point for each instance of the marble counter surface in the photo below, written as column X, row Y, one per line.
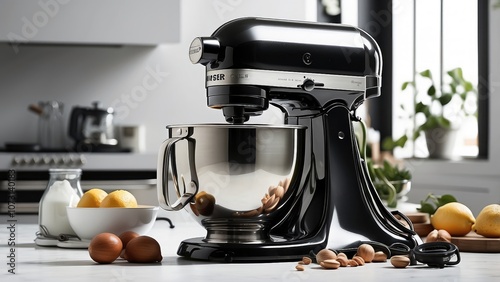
column 34, row 263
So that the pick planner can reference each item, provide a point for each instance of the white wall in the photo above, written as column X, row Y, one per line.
column 118, row 76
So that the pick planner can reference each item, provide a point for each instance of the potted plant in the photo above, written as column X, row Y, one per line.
column 435, row 108
column 391, row 181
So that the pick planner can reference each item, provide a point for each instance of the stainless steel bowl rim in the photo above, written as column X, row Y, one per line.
column 245, row 126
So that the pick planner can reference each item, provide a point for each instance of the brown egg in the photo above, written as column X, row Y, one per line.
column 125, row 237
column 105, row 248
column 143, row 249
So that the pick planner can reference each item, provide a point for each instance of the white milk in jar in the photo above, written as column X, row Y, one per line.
column 63, row 190
column 53, row 210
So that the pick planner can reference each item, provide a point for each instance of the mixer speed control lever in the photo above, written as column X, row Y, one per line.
column 309, row 84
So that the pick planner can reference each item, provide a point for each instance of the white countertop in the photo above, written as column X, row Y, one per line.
column 34, row 263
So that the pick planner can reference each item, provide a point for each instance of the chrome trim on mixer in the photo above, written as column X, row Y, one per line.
column 179, row 130
column 236, row 233
column 287, row 79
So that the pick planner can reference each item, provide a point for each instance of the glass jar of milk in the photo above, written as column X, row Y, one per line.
column 63, row 190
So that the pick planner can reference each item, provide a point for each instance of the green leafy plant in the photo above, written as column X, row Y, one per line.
column 431, row 104
column 432, row 202
column 383, row 177
column 389, row 180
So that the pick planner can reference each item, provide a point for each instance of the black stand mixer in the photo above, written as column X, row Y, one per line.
column 318, row 75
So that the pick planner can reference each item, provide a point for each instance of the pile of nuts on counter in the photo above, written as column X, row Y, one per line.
column 328, row 259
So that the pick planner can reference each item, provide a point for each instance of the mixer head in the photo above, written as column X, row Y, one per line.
column 251, row 61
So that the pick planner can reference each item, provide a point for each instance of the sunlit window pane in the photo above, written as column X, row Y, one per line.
column 418, row 48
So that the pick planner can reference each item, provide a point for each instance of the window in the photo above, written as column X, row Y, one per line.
column 438, row 36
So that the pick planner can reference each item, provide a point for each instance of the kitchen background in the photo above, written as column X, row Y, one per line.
column 152, row 83
column 129, row 55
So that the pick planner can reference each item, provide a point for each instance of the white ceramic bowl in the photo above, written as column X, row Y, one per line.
column 88, row 222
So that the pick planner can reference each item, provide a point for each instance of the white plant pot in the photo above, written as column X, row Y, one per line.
column 441, row 142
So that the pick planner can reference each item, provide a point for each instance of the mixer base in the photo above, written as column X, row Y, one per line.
column 197, row 248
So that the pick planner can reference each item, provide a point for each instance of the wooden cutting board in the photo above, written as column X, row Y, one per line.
column 423, row 229
column 418, row 217
column 421, row 223
column 473, row 242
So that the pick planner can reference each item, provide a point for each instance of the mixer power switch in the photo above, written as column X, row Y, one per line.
column 309, row 84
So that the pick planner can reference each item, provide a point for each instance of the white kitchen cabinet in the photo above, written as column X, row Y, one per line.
column 133, row 22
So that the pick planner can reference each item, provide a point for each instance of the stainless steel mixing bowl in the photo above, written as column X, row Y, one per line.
column 234, row 179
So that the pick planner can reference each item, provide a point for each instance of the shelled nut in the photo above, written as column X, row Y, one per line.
column 342, row 255
column 400, row 261
column 306, row 260
column 359, row 260
column 324, row 255
column 352, row 263
column 330, row 264
column 379, row 257
column 343, row 261
column 438, row 236
column 366, row 251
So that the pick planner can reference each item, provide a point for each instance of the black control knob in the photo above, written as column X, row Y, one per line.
column 309, row 84
column 204, row 50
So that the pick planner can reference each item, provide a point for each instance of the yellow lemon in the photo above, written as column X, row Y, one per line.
column 456, row 218
column 92, row 198
column 119, row 199
column 488, row 222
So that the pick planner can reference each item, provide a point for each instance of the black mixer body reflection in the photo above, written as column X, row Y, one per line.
column 320, row 193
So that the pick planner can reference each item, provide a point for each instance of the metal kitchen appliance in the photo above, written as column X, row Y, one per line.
column 279, row 192
column 92, row 128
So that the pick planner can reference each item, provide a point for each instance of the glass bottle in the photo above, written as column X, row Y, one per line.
column 63, row 190
column 50, row 125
